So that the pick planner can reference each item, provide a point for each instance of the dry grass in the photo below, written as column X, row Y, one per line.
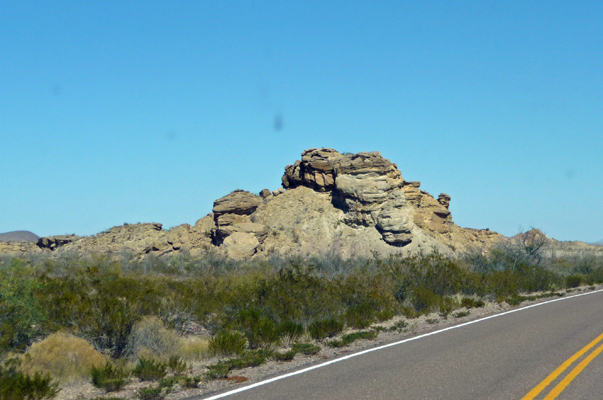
column 65, row 357
column 194, row 348
column 150, row 339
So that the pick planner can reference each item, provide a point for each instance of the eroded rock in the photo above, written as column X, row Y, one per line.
column 365, row 185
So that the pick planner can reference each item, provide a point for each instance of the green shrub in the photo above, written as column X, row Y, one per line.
column 360, row 316
column 21, row 312
column 177, row 365
column 325, row 328
column 109, row 377
column 306, row 348
column 149, row 370
column 350, row 338
column 168, row 383
column 250, row 359
column 15, row 385
column 150, row 394
column 468, row 302
column 424, row 300
column 286, row 356
column 573, row 281
column 461, row 314
column 399, row 326
column 291, row 331
column 227, row 343
column 190, row 383
column 260, row 330
column 218, row 371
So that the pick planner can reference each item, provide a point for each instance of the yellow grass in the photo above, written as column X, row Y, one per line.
column 65, row 357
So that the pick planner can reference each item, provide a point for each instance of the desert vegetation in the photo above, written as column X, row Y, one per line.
column 122, row 318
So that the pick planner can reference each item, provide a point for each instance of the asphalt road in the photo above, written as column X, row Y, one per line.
column 499, row 358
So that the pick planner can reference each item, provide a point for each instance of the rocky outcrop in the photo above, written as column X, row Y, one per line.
column 331, row 203
column 315, row 170
column 235, row 230
column 365, row 186
column 54, row 242
column 18, row 249
column 429, row 214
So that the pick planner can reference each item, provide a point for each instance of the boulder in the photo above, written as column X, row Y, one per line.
column 232, row 215
column 241, row 245
column 206, row 225
column 265, row 193
column 238, row 202
column 315, row 170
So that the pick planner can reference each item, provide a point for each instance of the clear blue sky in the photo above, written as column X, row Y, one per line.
column 148, row 111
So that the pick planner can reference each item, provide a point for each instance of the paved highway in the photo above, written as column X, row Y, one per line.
column 505, row 357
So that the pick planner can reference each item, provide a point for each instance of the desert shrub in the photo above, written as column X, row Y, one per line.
column 98, row 303
column 21, row 311
column 16, row 385
column 227, row 343
column 295, row 293
column 360, row 316
column 177, row 365
column 399, row 326
column 306, row 348
column 573, row 281
column 261, row 330
column 250, row 359
column 461, row 314
column 350, row 338
column 150, row 394
column 218, row 371
column 424, row 300
column 468, row 302
column 286, row 356
column 167, row 384
column 109, row 377
column 190, row 382
column 149, row 369
column 63, row 356
column 290, row 331
column 150, row 339
column 325, row 328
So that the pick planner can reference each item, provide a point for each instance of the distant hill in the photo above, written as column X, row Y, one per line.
column 19, row 236
column 599, row 243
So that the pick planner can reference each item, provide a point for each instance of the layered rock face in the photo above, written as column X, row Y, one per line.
column 234, row 228
column 365, row 186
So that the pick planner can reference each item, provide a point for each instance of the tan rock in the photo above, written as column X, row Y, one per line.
column 241, row 245
column 237, row 202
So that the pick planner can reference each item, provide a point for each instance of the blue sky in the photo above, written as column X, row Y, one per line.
column 148, row 111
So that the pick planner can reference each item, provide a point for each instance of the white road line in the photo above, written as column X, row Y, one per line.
column 301, row 371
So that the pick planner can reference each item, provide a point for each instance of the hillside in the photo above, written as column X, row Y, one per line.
column 19, row 236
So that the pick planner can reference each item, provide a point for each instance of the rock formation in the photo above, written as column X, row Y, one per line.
column 234, row 229
column 330, row 204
